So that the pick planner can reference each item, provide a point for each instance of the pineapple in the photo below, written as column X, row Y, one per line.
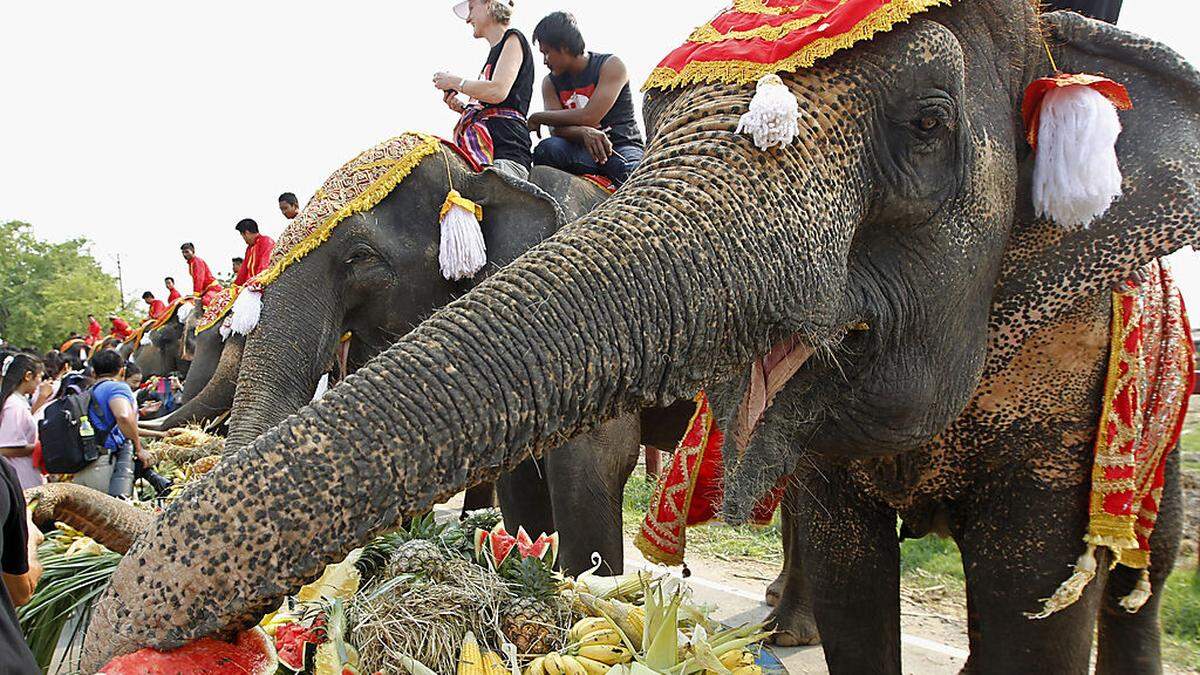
column 530, row 619
column 419, row 556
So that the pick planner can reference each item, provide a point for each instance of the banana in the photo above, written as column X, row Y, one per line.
column 585, row 626
column 736, row 658
column 536, row 667
column 608, row 654
column 592, row 666
column 554, row 664
column 748, row 670
column 571, row 666
column 604, row 636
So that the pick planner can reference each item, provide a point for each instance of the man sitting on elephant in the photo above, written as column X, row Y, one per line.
column 157, row 307
column 589, row 107
column 258, row 251
column 204, row 284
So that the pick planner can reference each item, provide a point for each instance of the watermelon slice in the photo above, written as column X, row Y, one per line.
column 292, row 641
column 251, row 653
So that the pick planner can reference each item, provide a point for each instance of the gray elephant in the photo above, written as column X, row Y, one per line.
column 161, row 351
column 903, row 205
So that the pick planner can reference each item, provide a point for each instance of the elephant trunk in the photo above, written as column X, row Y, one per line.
column 110, row 521
column 215, row 397
column 280, row 369
column 679, row 281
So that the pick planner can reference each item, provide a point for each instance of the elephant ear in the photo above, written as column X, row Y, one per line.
column 1048, row 268
column 516, row 215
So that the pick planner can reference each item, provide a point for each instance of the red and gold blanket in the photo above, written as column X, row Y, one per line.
column 690, row 491
column 754, row 38
column 1150, row 377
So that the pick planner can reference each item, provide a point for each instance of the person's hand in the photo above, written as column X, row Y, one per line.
column 147, row 458
column 45, row 390
column 597, row 144
column 446, row 81
column 35, row 539
column 452, row 102
column 535, row 127
column 151, row 407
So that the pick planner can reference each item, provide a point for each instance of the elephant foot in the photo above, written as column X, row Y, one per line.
column 775, row 590
column 793, row 627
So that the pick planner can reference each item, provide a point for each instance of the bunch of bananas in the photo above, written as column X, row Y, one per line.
column 589, row 660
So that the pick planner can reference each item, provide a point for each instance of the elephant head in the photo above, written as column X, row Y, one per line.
column 161, row 349
column 377, row 277
column 894, row 208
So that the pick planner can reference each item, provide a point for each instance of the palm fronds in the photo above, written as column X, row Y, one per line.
column 68, row 586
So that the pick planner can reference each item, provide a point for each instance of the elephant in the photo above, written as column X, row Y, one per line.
column 161, row 352
column 903, row 206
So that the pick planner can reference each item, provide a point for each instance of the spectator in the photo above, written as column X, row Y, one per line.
column 21, row 379
column 289, row 206
column 258, row 251
column 204, row 284
column 113, row 415
column 133, row 375
column 20, row 570
column 120, row 328
column 95, row 331
column 588, row 106
column 492, row 128
column 1101, row 10
column 237, row 266
column 56, row 366
column 157, row 307
column 173, row 293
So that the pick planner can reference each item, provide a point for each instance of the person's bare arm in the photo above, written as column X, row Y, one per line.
column 17, row 451
column 549, row 102
column 44, row 391
column 596, row 141
column 22, row 586
column 127, row 419
column 503, row 79
column 613, row 78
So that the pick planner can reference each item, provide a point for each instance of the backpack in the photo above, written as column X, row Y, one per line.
column 69, row 442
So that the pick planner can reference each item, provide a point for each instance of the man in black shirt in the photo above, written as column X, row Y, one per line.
column 588, row 106
column 1102, row 10
column 20, row 570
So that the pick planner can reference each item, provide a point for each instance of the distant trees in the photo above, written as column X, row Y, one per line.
column 47, row 289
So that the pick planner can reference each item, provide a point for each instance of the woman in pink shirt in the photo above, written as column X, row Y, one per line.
column 20, row 377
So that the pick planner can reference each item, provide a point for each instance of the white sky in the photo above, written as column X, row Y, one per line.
column 141, row 124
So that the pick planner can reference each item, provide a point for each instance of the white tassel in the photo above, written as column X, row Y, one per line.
column 184, row 311
column 1076, row 176
column 463, row 251
column 226, row 330
column 774, row 114
column 246, row 310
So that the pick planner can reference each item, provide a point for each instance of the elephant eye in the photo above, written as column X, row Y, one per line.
column 360, row 255
column 928, row 123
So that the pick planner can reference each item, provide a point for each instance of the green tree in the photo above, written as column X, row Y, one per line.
column 47, row 289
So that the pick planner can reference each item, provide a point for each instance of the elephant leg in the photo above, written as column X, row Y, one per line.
column 482, row 496
column 792, row 619
column 1131, row 642
column 587, row 483
column 1020, row 539
column 525, row 498
column 850, row 557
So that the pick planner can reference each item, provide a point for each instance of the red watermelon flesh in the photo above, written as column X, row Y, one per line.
column 251, row 653
column 502, row 544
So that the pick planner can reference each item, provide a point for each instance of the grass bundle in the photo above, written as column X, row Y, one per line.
column 425, row 618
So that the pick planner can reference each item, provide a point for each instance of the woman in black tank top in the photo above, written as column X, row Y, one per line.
column 493, row 124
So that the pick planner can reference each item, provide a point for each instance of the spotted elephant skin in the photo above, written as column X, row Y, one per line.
column 896, row 207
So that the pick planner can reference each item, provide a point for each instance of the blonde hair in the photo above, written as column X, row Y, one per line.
column 501, row 11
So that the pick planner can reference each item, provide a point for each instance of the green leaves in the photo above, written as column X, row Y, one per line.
column 47, row 289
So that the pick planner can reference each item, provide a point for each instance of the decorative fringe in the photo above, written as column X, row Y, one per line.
column 246, row 311
column 226, row 330
column 773, row 116
column 1139, row 595
column 1070, row 590
column 1075, row 175
column 463, row 251
column 184, row 312
column 745, row 72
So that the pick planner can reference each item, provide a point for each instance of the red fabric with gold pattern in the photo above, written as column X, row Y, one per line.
column 1150, row 377
column 690, row 491
column 758, row 37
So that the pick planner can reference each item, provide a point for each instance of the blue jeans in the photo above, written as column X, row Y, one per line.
column 563, row 154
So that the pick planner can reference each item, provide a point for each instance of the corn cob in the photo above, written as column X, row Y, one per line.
column 470, row 659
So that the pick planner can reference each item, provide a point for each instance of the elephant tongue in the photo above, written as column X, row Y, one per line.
column 768, row 375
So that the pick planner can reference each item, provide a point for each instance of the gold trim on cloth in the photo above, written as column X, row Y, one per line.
column 746, row 72
column 708, row 33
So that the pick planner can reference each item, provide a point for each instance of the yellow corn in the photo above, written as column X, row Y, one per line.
column 493, row 664
column 736, row 658
column 470, row 660
column 748, row 670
